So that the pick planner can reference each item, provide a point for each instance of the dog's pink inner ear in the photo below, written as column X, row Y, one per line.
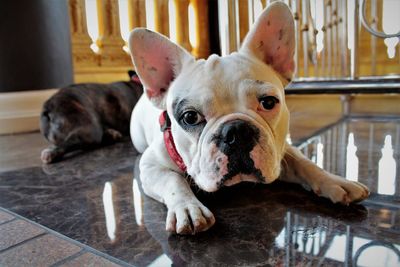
column 156, row 70
column 272, row 39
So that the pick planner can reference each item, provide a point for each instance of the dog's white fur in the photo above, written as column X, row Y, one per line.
column 221, row 89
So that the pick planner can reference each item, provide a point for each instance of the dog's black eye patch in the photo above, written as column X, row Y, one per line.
column 188, row 117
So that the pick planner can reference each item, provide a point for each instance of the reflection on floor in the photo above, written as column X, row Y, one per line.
column 96, row 199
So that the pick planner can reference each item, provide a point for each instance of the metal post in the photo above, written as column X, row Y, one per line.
column 324, row 30
column 328, row 15
column 373, row 37
column 344, row 34
column 334, row 37
column 295, row 10
column 349, row 247
column 288, row 239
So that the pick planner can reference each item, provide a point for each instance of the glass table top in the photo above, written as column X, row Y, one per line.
column 96, row 198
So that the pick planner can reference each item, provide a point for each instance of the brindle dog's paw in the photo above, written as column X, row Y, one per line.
column 48, row 155
column 113, row 135
column 343, row 191
column 189, row 218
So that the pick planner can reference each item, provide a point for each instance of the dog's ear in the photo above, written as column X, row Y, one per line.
column 272, row 39
column 157, row 62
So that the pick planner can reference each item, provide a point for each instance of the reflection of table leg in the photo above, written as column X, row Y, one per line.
column 288, row 239
column 349, row 247
column 374, row 244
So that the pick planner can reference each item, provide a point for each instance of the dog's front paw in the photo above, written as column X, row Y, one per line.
column 189, row 218
column 48, row 155
column 113, row 135
column 343, row 191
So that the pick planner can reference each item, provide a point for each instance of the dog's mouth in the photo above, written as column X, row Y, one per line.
column 241, row 169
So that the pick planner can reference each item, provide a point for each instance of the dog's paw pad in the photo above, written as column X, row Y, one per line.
column 189, row 219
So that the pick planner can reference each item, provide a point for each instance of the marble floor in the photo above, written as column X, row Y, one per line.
column 95, row 199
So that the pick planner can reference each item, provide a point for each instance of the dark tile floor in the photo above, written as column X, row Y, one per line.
column 25, row 243
column 96, row 199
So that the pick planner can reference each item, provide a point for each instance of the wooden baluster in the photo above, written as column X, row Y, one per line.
column 244, row 18
column 161, row 17
column 136, row 14
column 334, row 33
column 110, row 42
column 82, row 55
column 202, row 47
column 182, row 23
column 264, row 3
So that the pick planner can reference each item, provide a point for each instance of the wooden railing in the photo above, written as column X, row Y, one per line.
column 331, row 42
column 110, row 61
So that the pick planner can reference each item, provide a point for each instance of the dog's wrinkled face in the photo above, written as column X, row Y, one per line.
column 229, row 117
column 230, row 126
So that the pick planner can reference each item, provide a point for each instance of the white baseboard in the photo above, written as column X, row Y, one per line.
column 20, row 111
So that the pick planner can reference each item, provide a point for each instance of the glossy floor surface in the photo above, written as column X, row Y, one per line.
column 96, row 198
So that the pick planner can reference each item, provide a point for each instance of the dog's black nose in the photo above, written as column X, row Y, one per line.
column 237, row 136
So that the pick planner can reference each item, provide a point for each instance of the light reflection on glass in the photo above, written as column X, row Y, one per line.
column 280, row 239
column 308, row 238
column 320, row 154
column 351, row 159
column 337, row 249
column 365, row 253
column 303, row 238
column 109, row 211
column 288, row 139
column 137, row 203
column 161, row 261
column 387, row 169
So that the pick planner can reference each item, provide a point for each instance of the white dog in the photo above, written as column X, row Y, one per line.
column 223, row 120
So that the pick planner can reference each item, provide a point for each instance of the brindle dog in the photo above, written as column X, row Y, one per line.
column 87, row 115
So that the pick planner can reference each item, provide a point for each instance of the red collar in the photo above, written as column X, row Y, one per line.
column 165, row 127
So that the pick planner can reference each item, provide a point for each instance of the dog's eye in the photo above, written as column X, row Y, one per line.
column 192, row 118
column 268, row 102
